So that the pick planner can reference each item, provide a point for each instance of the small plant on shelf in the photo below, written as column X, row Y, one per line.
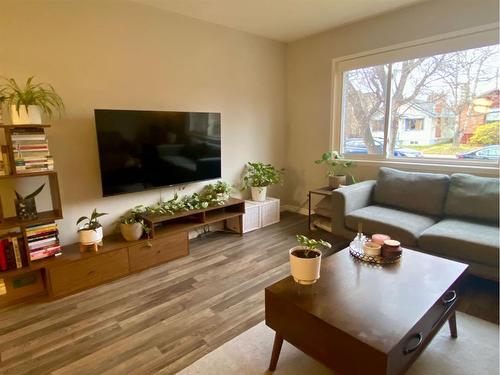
column 26, row 103
column 305, row 259
column 91, row 231
column 337, row 168
column 132, row 225
column 258, row 176
column 26, row 205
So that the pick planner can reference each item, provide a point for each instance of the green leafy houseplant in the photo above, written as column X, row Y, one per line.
column 90, row 223
column 311, row 245
column 337, row 167
column 41, row 94
column 26, row 206
column 261, row 175
column 132, row 225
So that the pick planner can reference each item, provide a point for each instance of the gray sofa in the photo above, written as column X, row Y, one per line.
column 455, row 216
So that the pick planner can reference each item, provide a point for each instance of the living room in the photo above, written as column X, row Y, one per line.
column 267, row 82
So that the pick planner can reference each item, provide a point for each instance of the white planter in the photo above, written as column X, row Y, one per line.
column 32, row 116
column 259, row 193
column 131, row 232
column 335, row 181
column 90, row 237
column 305, row 270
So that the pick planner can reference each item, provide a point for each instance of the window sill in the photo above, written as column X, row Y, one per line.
column 432, row 166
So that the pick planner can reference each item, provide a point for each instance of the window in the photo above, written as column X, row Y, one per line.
column 444, row 106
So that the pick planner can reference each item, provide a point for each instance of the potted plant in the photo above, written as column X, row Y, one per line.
column 337, row 167
column 91, row 231
column 27, row 103
column 305, row 260
column 26, row 206
column 258, row 176
column 132, row 226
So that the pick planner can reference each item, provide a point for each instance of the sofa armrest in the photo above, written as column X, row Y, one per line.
column 348, row 199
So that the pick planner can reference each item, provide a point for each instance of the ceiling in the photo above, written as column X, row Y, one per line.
column 282, row 20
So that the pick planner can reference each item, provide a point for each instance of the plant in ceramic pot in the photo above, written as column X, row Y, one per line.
column 26, row 206
column 337, row 168
column 27, row 103
column 305, row 260
column 89, row 228
column 258, row 176
column 132, row 226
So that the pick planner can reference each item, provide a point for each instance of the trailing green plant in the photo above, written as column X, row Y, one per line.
column 91, row 222
column 311, row 244
column 217, row 193
column 336, row 164
column 29, row 196
column 261, row 175
column 212, row 194
column 40, row 94
column 134, row 216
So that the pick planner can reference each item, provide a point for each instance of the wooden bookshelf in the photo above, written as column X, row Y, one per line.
column 14, row 222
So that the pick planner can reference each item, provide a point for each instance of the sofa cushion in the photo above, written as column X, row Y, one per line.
column 461, row 239
column 423, row 193
column 473, row 197
column 400, row 225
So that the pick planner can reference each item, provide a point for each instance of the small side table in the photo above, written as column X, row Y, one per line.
column 324, row 191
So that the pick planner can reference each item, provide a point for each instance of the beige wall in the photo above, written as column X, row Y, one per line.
column 115, row 54
column 309, row 65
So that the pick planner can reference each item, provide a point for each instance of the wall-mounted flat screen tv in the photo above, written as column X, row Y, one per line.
column 141, row 150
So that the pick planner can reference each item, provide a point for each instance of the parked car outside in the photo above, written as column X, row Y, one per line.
column 483, row 153
column 357, row 146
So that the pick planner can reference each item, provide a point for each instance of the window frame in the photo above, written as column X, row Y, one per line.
column 450, row 42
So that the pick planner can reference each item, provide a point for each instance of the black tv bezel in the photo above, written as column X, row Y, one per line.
column 155, row 187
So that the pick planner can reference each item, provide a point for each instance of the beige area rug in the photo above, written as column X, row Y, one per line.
column 475, row 351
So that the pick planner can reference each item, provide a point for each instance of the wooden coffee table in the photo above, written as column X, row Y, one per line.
column 362, row 319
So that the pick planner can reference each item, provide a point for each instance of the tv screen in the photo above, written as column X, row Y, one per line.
column 141, row 150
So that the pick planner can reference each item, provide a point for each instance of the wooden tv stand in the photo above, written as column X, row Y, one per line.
column 75, row 270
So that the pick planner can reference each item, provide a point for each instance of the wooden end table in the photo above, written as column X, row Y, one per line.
column 363, row 319
column 324, row 191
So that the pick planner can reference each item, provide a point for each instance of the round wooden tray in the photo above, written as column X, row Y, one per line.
column 376, row 259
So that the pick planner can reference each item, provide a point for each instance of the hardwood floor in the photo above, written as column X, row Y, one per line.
column 163, row 319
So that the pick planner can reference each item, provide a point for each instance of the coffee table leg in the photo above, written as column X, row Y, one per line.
column 278, row 342
column 452, row 321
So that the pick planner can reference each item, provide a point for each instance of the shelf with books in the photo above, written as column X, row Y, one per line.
column 26, row 154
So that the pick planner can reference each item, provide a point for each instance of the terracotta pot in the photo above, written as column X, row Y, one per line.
column 131, row 232
column 335, row 181
column 23, row 117
column 90, row 236
column 259, row 193
column 305, row 270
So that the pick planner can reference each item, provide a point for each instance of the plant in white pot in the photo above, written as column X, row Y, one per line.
column 27, row 103
column 305, row 259
column 132, row 225
column 337, row 168
column 258, row 176
column 90, row 232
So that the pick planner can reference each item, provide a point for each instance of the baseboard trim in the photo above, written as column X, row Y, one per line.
column 296, row 209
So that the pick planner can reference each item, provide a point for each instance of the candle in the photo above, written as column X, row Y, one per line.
column 380, row 238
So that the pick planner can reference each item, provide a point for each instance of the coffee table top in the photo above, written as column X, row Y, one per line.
column 376, row 305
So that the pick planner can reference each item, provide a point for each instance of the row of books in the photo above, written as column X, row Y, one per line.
column 12, row 254
column 43, row 241
column 31, row 150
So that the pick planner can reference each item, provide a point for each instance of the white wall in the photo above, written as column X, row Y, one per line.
column 110, row 54
column 309, row 68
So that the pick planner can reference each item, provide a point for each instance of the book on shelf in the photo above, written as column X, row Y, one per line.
column 43, row 241
column 31, row 151
column 12, row 254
